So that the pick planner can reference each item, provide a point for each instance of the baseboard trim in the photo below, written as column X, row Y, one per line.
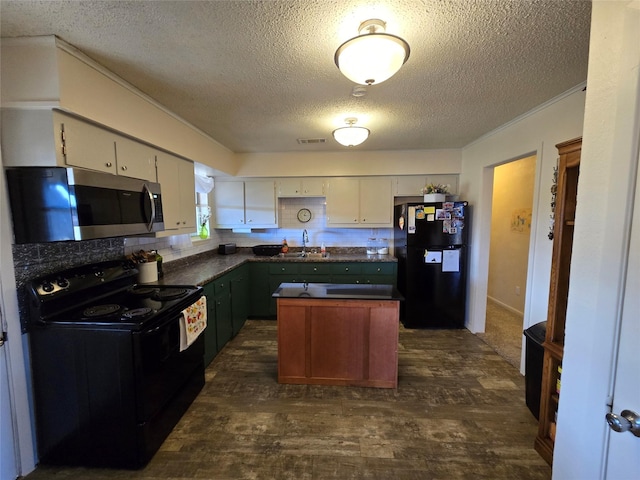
column 504, row 305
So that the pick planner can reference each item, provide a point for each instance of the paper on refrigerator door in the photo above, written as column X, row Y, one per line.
column 411, row 228
column 432, row 257
column 451, row 261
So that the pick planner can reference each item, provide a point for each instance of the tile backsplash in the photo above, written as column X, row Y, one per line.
column 39, row 259
column 176, row 247
column 291, row 228
column 35, row 260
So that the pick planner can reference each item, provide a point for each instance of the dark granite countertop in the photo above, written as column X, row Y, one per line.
column 337, row 291
column 206, row 267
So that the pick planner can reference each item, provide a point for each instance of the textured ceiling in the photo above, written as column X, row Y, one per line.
column 258, row 75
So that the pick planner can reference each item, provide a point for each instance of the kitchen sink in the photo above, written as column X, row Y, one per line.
column 305, row 256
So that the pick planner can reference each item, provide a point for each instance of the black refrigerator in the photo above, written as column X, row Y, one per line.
column 430, row 243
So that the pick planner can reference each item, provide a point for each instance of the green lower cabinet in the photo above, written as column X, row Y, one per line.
column 259, row 294
column 380, row 273
column 224, row 322
column 210, row 336
column 239, row 282
column 266, row 277
column 347, row 273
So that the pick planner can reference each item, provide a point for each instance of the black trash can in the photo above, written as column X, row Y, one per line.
column 533, row 365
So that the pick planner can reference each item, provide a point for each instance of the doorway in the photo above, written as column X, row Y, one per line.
column 511, row 210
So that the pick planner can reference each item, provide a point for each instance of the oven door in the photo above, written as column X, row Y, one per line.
column 162, row 370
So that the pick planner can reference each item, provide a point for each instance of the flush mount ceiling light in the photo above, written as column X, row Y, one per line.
column 373, row 56
column 351, row 136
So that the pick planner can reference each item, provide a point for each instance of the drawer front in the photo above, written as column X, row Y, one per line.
column 315, row 269
column 315, row 278
column 284, row 268
column 348, row 278
column 378, row 268
column 221, row 285
column 380, row 279
column 347, row 269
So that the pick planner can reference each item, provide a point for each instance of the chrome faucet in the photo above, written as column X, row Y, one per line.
column 305, row 240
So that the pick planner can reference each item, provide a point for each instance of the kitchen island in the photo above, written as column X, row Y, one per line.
column 338, row 334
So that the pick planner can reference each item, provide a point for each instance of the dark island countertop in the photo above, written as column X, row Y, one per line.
column 206, row 267
column 337, row 291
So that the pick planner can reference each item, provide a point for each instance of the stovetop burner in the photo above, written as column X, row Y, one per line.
column 167, row 293
column 170, row 293
column 101, row 310
column 137, row 313
column 106, row 296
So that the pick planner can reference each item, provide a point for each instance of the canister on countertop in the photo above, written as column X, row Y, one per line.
column 382, row 246
column 147, row 272
column 372, row 246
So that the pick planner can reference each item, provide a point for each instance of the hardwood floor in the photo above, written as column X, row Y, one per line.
column 458, row 413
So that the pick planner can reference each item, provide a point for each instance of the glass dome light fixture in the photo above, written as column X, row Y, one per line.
column 351, row 136
column 373, row 56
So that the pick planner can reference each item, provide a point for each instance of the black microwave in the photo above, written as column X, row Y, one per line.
column 57, row 204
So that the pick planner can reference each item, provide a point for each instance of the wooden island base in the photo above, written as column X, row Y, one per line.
column 338, row 342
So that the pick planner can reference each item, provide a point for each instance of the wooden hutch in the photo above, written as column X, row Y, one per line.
column 565, row 209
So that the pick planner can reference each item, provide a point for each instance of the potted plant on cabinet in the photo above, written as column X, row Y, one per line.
column 435, row 192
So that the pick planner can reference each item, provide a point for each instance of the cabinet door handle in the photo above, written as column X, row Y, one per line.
column 108, row 164
column 124, row 168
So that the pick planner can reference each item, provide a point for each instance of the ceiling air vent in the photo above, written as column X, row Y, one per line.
column 304, row 141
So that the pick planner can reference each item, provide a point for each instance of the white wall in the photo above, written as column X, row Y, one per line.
column 536, row 133
column 605, row 199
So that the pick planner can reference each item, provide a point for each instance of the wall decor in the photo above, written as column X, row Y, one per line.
column 554, row 190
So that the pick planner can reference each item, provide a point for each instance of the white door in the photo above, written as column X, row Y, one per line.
column 623, row 448
column 623, row 459
column 8, row 468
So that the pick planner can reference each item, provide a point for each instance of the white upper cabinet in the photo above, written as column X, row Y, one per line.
column 84, row 145
column 410, row 185
column 47, row 138
column 260, row 203
column 359, row 202
column 250, row 204
column 301, row 187
column 135, row 159
column 88, row 146
column 177, row 186
column 228, row 204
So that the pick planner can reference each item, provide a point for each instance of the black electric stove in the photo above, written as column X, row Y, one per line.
column 105, row 295
column 110, row 381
